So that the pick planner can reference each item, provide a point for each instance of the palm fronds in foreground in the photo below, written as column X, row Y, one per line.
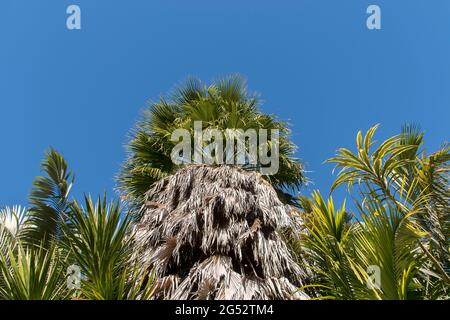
column 32, row 273
column 92, row 239
column 194, row 231
column 97, row 239
column 49, row 200
column 403, row 231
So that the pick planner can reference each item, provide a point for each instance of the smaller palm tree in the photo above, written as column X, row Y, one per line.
column 39, row 246
column 403, row 225
column 97, row 240
column 33, row 273
column 327, row 246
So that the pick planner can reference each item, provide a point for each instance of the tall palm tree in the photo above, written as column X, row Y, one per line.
column 211, row 231
column 225, row 104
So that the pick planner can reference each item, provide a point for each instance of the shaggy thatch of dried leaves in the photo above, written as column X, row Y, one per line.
column 214, row 233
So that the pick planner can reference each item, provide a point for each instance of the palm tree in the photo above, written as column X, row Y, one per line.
column 327, row 245
column 33, row 273
column 97, row 239
column 38, row 246
column 223, row 105
column 215, row 233
column 403, row 227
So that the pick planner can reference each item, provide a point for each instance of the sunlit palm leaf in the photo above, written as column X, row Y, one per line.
column 49, row 200
column 33, row 273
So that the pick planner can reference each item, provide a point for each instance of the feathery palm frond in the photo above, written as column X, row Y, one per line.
column 414, row 189
column 49, row 200
column 328, row 246
column 387, row 239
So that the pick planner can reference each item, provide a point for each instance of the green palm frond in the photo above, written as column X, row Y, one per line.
column 225, row 104
column 33, row 273
column 49, row 200
column 388, row 239
column 96, row 238
column 328, row 244
column 404, row 192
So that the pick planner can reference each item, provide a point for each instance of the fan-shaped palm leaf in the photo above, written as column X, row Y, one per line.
column 224, row 104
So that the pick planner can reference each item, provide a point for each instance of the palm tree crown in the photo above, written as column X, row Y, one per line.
column 222, row 105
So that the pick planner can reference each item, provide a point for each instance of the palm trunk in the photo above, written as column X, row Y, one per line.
column 215, row 233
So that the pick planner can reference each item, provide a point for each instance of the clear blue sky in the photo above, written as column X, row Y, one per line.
column 314, row 63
